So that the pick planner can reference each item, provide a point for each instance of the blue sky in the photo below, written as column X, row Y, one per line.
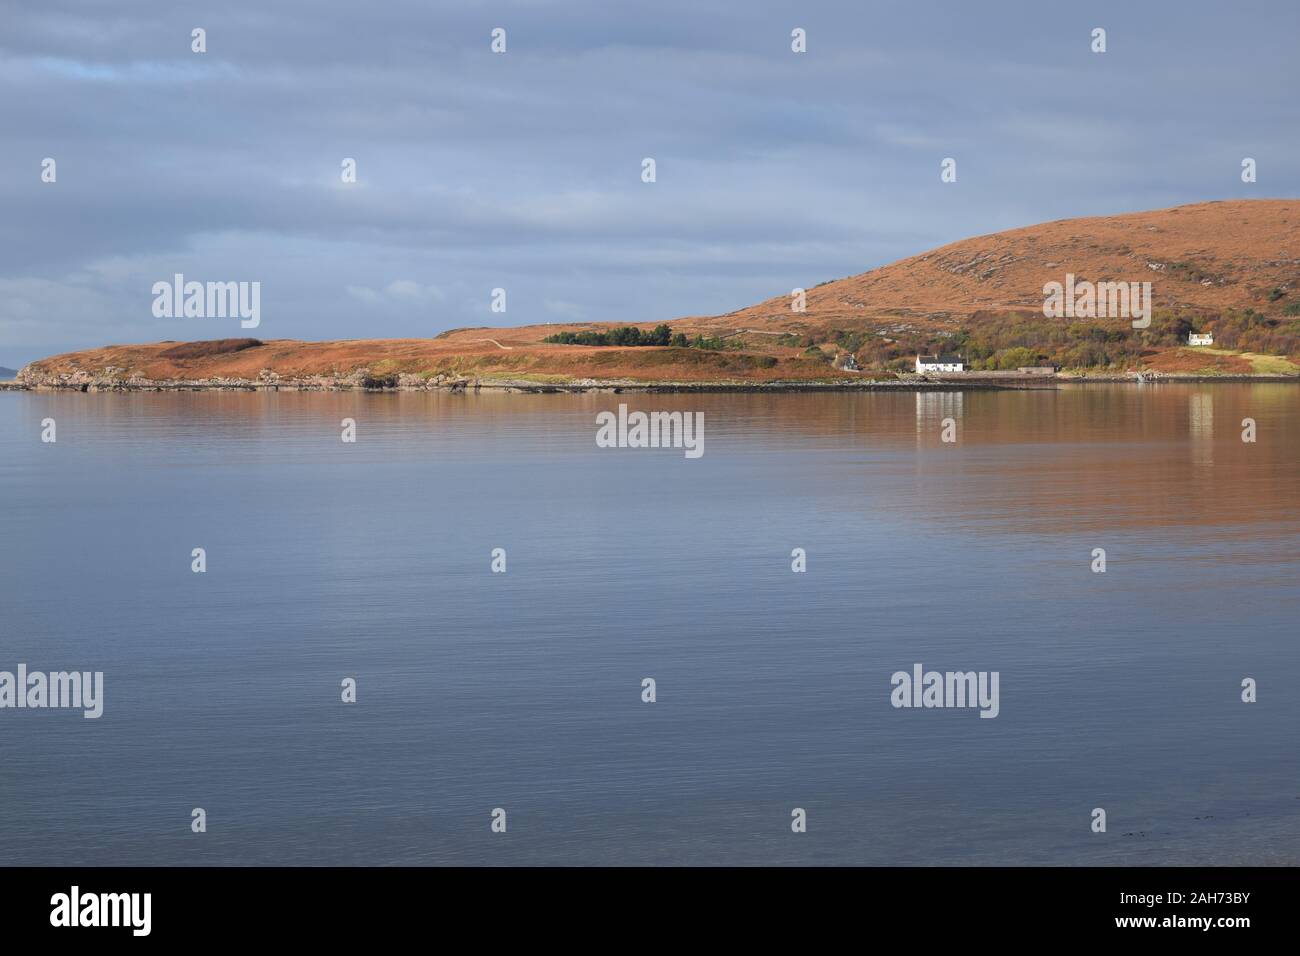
column 522, row 170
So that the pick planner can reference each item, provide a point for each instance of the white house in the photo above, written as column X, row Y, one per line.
column 940, row 363
column 1200, row 338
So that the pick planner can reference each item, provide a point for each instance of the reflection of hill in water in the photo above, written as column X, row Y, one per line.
column 1044, row 461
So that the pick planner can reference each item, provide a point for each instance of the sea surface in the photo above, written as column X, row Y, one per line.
column 522, row 690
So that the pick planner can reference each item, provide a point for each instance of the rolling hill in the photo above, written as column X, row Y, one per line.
column 1231, row 268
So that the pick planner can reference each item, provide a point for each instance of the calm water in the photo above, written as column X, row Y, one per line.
column 522, row 690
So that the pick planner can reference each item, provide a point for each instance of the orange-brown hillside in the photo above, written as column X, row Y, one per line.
column 1207, row 263
column 1209, row 257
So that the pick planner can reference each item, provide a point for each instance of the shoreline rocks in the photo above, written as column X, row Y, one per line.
column 81, row 381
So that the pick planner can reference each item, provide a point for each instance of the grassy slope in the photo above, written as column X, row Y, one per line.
column 1202, row 260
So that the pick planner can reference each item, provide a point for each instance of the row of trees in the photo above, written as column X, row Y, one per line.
column 630, row 335
column 1002, row 341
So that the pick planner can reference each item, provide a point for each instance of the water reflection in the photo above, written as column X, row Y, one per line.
column 931, row 410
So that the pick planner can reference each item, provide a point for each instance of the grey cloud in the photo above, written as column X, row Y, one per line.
column 522, row 170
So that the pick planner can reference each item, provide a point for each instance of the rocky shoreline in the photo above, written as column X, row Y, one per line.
column 362, row 381
column 317, row 384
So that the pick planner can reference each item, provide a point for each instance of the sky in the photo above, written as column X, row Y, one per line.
column 522, row 170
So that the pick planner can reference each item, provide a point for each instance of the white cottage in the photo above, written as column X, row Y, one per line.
column 1200, row 338
column 940, row 363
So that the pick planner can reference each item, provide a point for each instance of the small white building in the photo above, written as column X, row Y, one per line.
column 1200, row 338
column 940, row 363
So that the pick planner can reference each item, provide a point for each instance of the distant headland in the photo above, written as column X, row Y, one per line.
column 1206, row 291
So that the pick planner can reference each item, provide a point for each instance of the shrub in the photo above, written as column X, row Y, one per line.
column 189, row 350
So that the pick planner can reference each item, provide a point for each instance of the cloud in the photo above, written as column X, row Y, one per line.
column 399, row 292
column 522, row 170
